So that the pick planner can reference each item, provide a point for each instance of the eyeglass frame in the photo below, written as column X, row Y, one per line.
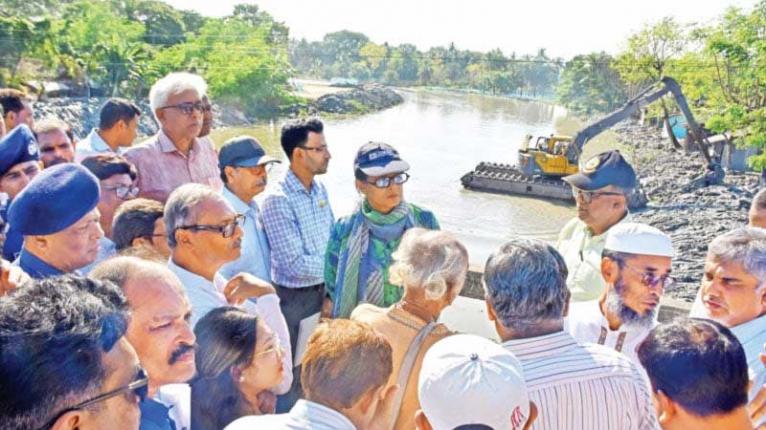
column 384, row 182
column 587, row 196
column 140, row 387
column 132, row 189
column 238, row 220
column 188, row 108
column 666, row 280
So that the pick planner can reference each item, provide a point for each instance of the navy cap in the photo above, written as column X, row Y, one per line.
column 56, row 198
column 607, row 168
column 378, row 159
column 16, row 147
column 243, row 151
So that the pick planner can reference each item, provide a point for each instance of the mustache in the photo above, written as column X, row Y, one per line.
column 181, row 350
column 260, row 183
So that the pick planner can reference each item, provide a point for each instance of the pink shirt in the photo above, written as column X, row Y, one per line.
column 162, row 168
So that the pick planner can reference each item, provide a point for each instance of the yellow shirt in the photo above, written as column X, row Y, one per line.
column 581, row 250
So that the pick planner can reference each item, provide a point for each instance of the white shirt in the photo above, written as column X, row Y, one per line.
column 586, row 323
column 582, row 386
column 206, row 296
column 178, row 398
column 305, row 415
column 91, row 145
column 255, row 255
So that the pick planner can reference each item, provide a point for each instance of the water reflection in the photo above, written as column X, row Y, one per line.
column 442, row 135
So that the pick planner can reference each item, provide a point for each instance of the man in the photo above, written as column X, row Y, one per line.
column 55, row 141
column 64, row 361
column 204, row 234
column 733, row 290
column 57, row 215
column 698, row 374
column 601, row 192
column 160, row 332
column 139, row 222
column 495, row 395
column 175, row 155
column 757, row 214
column 3, row 130
column 19, row 164
column 244, row 164
column 575, row 385
column 117, row 129
column 17, row 109
column 207, row 117
column 636, row 268
column 343, row 391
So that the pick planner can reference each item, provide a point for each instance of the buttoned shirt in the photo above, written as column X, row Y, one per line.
column 255, row 255
column 162, row 168
column 177, row 397
column 305, row 415
column 205, row 296
column 582, row 250
column 586, row 323
column 582, row 386
column 92, row 145
column 298, row 223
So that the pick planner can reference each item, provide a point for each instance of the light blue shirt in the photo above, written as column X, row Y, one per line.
column 305, row 415
column 91, row 145
column 255, row 255
column 752, row 336
column 298, row 224
column 106, row 249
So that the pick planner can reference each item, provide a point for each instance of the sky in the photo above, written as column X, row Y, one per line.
column 564, row 27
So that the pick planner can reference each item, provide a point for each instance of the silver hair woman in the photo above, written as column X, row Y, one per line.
column 431, row 267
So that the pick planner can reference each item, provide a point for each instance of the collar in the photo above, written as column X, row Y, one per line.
column 626, row 218
column 167, row 145
column 97, row 143
column 590, row 313
column 188, row 278
column 541, row 346
column 155, row 415
column 294, row 184
column 239, row 206
column 314, row 413
column 748, row 331
column 35, row 267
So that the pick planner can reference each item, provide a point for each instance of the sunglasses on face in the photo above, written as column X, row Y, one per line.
column 386, row 181
column 139, row 387
column 650, row 279
column 588, row 196
column 123, row 192
column 188, row 108
column 226, row 230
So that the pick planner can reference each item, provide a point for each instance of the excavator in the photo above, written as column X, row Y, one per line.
column 544, row 160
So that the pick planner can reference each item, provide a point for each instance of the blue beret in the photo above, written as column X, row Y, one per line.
column 17, row 147
column 607, row 168
column 56, row 198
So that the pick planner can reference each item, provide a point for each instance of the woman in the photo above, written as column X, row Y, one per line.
column 238, row 361
column 360, row 246
column 431, row 266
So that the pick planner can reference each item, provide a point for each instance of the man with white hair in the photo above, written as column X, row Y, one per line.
column 495, row 394
column 635, row 265
column 176, row 155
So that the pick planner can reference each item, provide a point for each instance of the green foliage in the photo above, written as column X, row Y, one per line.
column 589, row 84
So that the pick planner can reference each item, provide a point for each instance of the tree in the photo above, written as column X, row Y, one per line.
column 590, row 84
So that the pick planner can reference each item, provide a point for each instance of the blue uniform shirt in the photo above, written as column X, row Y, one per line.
column 35, row 267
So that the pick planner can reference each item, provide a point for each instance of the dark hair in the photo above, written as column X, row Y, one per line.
column 473, row 427
column 117, row 109
column 698, row 364
column 226, row 338
column 104, row 166
column 50, row 125
column 53, row 333
column 296, row 132
column 12, row 100
column 133, row 219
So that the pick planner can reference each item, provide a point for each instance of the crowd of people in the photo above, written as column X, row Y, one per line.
column 161, row 286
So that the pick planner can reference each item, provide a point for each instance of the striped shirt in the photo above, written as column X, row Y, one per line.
column 582, row 386
column 297, row 224
column 305, row 415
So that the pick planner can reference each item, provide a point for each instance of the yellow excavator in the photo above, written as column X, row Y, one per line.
column 544, row 160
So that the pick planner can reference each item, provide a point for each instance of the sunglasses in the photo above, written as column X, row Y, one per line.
column 188, row 108
column 650, row 279
column 588, row 196
column 385, row 181
column 226, row 230
column 123, row 192
column 139, row 387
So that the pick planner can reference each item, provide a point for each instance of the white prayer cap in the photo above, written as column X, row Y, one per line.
column 466, row 379
column 639, row 239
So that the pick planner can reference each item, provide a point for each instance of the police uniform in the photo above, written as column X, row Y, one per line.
column 18, row 146
column 578, row 245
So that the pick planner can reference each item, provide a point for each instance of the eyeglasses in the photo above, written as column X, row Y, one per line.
column 320, row 149
column 188, row 108
column 226, row 230
column 139, row 387
column 277, row 347
column 650, row 279
column 588, row 196
column 123, row 192
column 385, row 181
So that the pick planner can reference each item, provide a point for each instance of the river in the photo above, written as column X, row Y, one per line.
column 442, row 135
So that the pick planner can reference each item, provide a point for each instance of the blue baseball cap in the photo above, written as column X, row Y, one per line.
column 378, row 159
column 17, row 147
column 243, row 151
column 607, row 168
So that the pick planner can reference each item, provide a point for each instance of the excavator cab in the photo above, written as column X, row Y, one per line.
column 547, row 156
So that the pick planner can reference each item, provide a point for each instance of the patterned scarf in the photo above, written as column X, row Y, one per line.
column 385, row 231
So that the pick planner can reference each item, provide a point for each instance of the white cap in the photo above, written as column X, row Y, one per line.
column 466, row 379
column 640, row 239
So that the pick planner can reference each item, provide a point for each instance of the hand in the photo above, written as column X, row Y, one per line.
column 267, row 402
column 11, row 277
column 244, row 286
column 385, row 415
column 756, row 408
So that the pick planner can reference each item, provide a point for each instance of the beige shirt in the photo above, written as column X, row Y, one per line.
column 399, row 328
column 162, row 168
column 581, row 250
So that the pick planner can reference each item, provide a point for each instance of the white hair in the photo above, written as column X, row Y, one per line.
column 180, row 207
column 429, row 259
column 172, row 85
